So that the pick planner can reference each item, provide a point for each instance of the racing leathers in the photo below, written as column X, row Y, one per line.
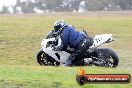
column 74, row 39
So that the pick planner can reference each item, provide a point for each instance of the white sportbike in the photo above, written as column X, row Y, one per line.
column 94, row 56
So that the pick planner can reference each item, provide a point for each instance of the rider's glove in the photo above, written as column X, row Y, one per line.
column 57, row 48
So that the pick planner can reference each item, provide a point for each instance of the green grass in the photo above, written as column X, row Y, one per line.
column 20, row 38
column 52, row 77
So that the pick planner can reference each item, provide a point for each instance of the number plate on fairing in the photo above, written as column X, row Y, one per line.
column 101, row 39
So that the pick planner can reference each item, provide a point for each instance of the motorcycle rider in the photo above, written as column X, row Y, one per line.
column 72, row 38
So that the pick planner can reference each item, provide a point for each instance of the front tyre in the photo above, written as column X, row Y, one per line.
column 45, row 59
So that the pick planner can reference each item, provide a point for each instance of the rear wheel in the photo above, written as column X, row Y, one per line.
column 45, row 59
column 109, row 57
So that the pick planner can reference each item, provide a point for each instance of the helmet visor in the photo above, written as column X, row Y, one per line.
column 56, row 28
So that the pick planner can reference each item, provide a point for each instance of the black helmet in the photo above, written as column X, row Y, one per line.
column 59, row 25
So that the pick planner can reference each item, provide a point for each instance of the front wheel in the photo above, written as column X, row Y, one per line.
column 45, row 59
column 108, row 57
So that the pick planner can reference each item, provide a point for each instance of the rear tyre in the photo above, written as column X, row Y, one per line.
column 109, row 56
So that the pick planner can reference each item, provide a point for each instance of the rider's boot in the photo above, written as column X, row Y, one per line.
column 69, row 60
column 68, row 63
